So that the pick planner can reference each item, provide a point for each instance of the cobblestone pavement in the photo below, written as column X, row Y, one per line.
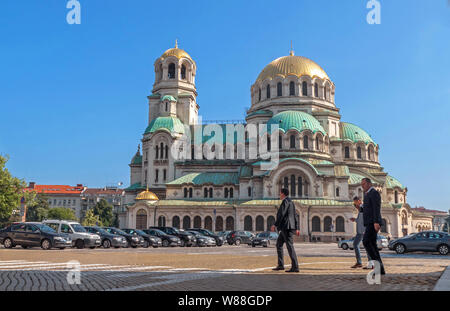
column 322, row 266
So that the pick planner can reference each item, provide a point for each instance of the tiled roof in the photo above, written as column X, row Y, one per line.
column 355, row 179
column 391, row 183
column 168, row 124
column 341, row 170
column 95, row 191
column 354, row 133
column 136, row 186
column 295, row 120
column 271, row 202
column 56, row 189
column 217, row 179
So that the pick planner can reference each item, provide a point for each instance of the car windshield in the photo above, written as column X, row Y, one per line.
column 118, row 231
column 263, row 235
column 45, row 228
column 78, row 228
column 157, row 231
column 100, row 230
column 140, row 231
column 208, row 232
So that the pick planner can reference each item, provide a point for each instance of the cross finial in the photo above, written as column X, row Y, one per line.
column 291, row 52
column 139, row 148
column 176, row 43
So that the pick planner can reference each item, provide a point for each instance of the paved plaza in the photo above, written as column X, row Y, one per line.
column 235, row 268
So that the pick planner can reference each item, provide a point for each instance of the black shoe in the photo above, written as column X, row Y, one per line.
column 278, row 268
column 293, row 270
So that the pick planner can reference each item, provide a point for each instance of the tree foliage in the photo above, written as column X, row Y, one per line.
column 91, row 220
column 38, row 208
column 61, row 213
column 11, row 191
column 104, row 210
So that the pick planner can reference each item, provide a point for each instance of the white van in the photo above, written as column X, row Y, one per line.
column 80, row 237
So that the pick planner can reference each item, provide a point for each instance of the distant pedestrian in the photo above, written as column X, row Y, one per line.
column 372, row 221
column 359, row 231
column 286, row 225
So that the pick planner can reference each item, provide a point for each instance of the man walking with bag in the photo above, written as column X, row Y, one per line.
column 287, row 225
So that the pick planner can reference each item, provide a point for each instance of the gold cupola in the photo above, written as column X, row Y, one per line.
column 147, row 195
column 176, row 52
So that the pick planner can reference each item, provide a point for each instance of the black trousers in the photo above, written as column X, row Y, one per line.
column 286, row 236
column 370, row 244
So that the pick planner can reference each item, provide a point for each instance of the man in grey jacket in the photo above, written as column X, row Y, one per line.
column 359, row 231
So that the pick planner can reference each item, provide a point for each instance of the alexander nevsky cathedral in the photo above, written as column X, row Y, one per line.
column 321, row 159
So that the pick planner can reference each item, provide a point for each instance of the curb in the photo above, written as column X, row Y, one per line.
column 443, row 283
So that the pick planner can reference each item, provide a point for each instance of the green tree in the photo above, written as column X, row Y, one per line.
column 61, row 213
column 91, row 220
column 104, row 210
column 11, row 192
column 38, row 208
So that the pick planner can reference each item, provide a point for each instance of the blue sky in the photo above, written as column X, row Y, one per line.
column 73, row 97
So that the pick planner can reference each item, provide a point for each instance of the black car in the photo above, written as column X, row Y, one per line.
column 149, row 240
column 33, row 234
column 187, row 239
column 167, row 239
column 265, row 239
column 238, row 237
column 425, row 241
column 205, row 232
column 203, row 240
column 108, row 239
column 132, row 240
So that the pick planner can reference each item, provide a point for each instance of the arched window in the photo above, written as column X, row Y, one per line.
column 316, row 90
column 226, row 193
column 279, row 89
column 286, row 183
column 210, row 192
column 219, row 223
column 231, row 192
column 183, row 72
column 197, row 222
column 161, row 151
column 190, row 192
column 384, row 226
column 259, row 223
column 358, row 152
column 325, row 92
column 229, row 223
column 340, row 224
column 208, row 223
column 315, row 224
column 248, row 223
column 185, row 192
column 259, row 96
column 157, row 152
column 141, row 219
column 249, row 189
column 156, row 175
column 304, row 88
column 167, row 151
column 161, row 221
column 318, row 146
column 270, row 222
column 327, row 223
column 292, row 141
column 172, row 71
column 292, row 89
column 300, row 187
column 292, row 186
column 164, row 174
column 337, row 191
column 347, row 152
column 205, row 192
column 396, row 196
column 268, row 143
column 186, row 222
column 176, row 222
column 268, row 91
column 280, row 142
column 167, row 106
column 305, row 142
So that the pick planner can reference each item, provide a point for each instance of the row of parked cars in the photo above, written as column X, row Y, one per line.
column 425, row 241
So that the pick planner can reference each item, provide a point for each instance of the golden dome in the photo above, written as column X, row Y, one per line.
column 178, row 53
column 292, row 65
column 147, row 195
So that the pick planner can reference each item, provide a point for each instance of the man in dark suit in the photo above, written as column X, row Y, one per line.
column 287, row 225
column 372, row 220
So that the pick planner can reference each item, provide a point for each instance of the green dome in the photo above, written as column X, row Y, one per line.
column 354, row 133
column 168, row 124
column 392, row 182
column 169, row 98
column 295, row 120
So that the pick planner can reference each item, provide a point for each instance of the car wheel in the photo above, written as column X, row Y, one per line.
column 45, row 244
column 92, row 247
column 443, row 249
column 165, row 243
column 146, row 244
column 79, row 244
column 400, row 248
column 253, row 245
column 24, row 246
column 106, row 243
column 61, row 248
column 8, row 243
column 344, row 246
column 237, row 242
column 183, row 244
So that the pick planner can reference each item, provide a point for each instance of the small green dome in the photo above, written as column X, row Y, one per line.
column 354, row 133
column 169, row 98
column 295, row 120
column 168, row 124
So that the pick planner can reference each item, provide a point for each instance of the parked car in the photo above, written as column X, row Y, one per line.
column 80, row 237
column 238, row 237
column 426, row 241
column 107, row 239
column 32, row 234
column 265, row 239
column 149, row 240
column 203, row 240
column 187, row 239
column 167, row 239
column 132, row 240
column 224, row 235
column 382, row 242
column 219, row 239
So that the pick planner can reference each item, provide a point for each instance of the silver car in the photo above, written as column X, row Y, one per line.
column 382, row 242
column 426, row 241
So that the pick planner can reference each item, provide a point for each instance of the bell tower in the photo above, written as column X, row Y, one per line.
column 174, row 93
